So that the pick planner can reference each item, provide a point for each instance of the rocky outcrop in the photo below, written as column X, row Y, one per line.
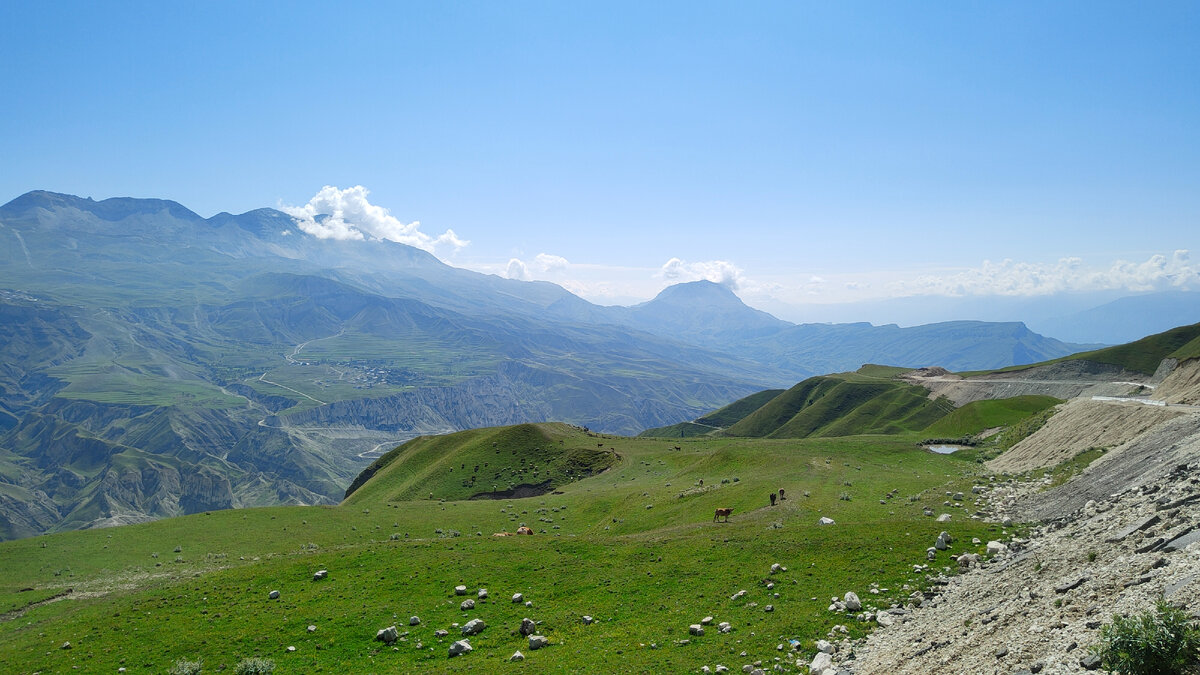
column 205, row 490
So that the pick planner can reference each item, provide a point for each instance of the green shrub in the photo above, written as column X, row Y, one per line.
column 1156, row 642
column 255, row 666
column 185, row 667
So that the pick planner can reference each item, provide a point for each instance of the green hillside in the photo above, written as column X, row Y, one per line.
column 738, row 410
column 978, row 416
column 522, row 460
column 842, row 405
column 634, row 547
column 1141, row 356
column 680, row 430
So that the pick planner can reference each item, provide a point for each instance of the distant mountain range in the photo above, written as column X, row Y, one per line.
column 1091, row 317
column 154, row 362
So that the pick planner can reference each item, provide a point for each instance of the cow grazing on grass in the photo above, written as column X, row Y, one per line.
column 773, row 498
column 524, row 530
column 722, row 513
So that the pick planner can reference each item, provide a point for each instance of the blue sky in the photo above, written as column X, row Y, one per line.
column 803, row 152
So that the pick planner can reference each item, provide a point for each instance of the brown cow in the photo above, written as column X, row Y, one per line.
column 722, row 513
column 524, row 530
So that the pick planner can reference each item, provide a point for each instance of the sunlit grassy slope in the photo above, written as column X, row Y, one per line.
column 979, row 416
column 633, row 546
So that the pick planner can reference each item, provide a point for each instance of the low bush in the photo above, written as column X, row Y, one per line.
column 1161, row 641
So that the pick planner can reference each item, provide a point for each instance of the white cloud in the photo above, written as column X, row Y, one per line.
column 349, row 215
column 551, row 263
column 1008, row 277
column 717, row 271
column 517, row 270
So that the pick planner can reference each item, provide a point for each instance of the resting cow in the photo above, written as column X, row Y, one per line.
column 725, row 513
column 524, row 530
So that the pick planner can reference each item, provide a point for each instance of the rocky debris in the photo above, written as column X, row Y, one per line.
column 312, row 628
column 1036, row 605
column 538, row 641
column 441, row 632
column 274, row 595
column 826, row 521
column 739, row 595
column 467, row 604
column 852, row 602
column 320, row 574
column 944, row 518
column 482, row 593
column 518, row 597
column 459, row 647
column 460, row 590
column 695, row 629
column 527, row 626
column 724, row 627
column 65, row 645
column 587, row 620
column 387, row 635
column 517, row 656
column 414, row 621
column 474, row 627
column 820, row 663
column 776, row 568
column 706, row 621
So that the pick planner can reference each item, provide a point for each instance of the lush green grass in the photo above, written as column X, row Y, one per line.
column 1191, row 350
column 978, row 416
column 737, row 411
column 842, row 405
column 681, row 430
column 634, row 546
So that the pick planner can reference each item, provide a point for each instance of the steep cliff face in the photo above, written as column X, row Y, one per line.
column 205, row 490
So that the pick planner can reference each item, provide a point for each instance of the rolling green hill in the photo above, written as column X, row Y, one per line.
column 842, row 405
column 524, row 460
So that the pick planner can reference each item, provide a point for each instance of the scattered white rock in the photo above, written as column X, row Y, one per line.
column 387, row 635
column 706, row 621
column 517, row 656
column 518, row 597
column 696, row 629
column 527, row 626
column 826, row 521
column 482, row 593
column 944, row 518
column 460, row 590
column 320, row 574
column 414, row 621
column 820, row 663
column 460, row 647
column 312, row 629
column 538, row 641
column 852, row 602
column 274, row 595
column 473, row 627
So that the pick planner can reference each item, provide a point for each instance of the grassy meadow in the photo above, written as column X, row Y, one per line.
column 634, row 547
